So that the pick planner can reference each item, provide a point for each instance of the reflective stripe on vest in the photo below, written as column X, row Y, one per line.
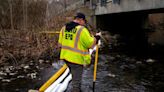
column 77, row 37
column 75, row 49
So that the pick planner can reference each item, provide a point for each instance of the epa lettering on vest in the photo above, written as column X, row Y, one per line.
column 72, row 31
column 69, row 34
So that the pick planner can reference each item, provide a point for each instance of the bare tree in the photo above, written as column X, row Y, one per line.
column 11, row 14
column 47, row 14
column 24, row 14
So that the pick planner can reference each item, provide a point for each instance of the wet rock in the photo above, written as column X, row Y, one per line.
column 17, row 90
column 127, row 59
column 150, row 60
column 3, row 73
column 22, row 65
column 11, row 68
column 31, row 64
column 112, row 58
column 138, row 87
column 39, row 79
column 26, row 67
column 41, row 68
column 124, row 66
column 20, row 76
column 31, row 90
column 7, row 70
column 12, row 74
column 111, row 75
column 6, row 80
column 1, row 78
column 139, row 62
column 37, row 67
column 132, row 66
column 58, row 64
column 118, row 56
column 47, row 61
column 55, row 65
column 32, row 75
column 19, row 68
column 41, row 61
column 145, row 83
column 133, row 60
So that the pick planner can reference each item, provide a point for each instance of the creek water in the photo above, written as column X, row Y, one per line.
column 117, row 72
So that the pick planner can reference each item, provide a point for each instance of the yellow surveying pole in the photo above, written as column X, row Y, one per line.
column 95, row 67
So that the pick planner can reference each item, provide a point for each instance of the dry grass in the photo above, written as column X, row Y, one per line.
column 19, row 46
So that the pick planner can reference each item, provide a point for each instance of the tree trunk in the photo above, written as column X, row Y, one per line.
column 11, row 14
column 24, row 14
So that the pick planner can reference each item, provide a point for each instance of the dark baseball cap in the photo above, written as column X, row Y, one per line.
column 80, row 15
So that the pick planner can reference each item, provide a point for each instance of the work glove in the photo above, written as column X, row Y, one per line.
column 98, row 41
column 97, row 36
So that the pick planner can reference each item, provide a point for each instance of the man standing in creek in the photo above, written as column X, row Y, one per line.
column 75, row 41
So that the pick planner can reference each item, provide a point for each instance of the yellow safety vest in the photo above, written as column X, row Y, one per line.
column 75, row 45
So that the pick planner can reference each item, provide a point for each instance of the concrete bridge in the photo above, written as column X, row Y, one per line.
column 118, row 6
column 138, row 22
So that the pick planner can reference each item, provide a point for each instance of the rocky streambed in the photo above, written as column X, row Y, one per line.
column 25, row 76
column 116, row 73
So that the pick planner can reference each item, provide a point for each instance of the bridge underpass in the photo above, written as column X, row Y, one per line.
column 130, row 27
column 133, row 29
column 130, row 19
